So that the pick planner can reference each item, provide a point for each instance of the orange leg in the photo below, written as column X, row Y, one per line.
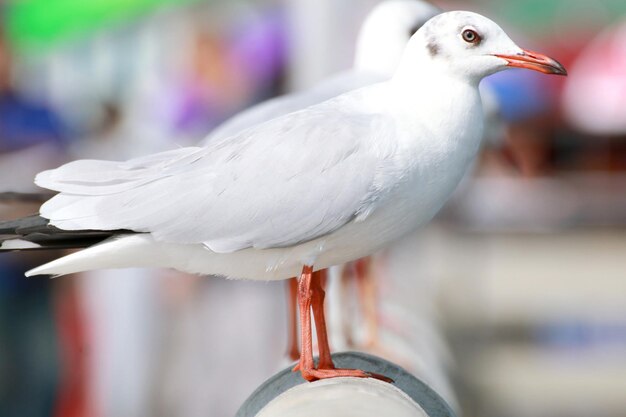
column 293, row 350
column 318, row 283
column 306, row 365
column 306, row 336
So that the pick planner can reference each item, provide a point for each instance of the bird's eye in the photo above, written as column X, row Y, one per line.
column 470, row 36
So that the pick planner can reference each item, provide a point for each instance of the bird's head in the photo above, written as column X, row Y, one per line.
column 470, row 46
column 386, row 31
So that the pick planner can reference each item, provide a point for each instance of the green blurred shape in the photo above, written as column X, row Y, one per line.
column 38, row 23
column 541, row 14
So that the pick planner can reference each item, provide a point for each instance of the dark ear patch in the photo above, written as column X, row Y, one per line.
column 433, row 48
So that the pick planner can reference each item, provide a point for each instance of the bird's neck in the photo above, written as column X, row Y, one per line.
column 425, row 88
column 435, row 102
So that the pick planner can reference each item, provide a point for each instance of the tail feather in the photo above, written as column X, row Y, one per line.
column 35, row 233
column 123, row 251
column 104, row 248
column 30, row 224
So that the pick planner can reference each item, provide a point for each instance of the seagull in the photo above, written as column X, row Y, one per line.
column 318, row 187
column 380, row 44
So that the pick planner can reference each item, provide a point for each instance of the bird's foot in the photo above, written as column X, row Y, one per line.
column 317, row 374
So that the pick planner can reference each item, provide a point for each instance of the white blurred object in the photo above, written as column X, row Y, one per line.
column 594, row 98
column 380, row 45
column 343, row 397
column 122, row 310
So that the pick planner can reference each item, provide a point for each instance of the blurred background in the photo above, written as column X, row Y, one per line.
column 512, row 302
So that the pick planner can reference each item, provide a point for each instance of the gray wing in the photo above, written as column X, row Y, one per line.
column 279, row 106
column 290, row 180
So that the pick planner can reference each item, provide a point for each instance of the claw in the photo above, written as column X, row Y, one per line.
column 317, row 374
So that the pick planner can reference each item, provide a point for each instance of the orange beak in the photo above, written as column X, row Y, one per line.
column 534, row 61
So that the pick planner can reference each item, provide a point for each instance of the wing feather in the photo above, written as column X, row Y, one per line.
column 287, row 181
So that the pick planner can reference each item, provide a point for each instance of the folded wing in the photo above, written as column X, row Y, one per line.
column 291, row 180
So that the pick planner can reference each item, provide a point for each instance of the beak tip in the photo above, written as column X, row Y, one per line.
column 559, row 69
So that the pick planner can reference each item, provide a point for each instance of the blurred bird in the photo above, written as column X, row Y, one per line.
column 380, row 44
column 318, row 187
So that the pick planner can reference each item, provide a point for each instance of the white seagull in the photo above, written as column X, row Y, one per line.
column 318, row 187
column 380, row 44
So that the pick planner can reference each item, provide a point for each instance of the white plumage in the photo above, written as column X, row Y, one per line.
column 321, row 186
